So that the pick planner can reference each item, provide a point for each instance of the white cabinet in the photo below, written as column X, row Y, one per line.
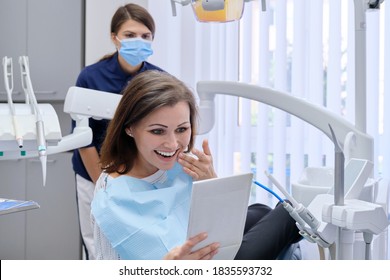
column 51, row 34
column 13, row 226
column 50, row 232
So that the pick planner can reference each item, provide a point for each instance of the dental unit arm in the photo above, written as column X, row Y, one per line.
column 317, row 116
column 319, row 221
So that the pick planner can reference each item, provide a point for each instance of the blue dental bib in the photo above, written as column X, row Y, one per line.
column 142, row 220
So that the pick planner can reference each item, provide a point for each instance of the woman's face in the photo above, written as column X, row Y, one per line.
column 132, row 29
column 160, row 137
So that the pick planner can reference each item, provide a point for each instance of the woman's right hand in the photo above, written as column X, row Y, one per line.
column 184, row 252
column 199, row 165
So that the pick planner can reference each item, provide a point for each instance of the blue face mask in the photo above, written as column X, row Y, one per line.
column 135, row 50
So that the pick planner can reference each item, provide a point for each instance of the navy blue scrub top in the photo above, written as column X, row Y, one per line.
column 105, row 75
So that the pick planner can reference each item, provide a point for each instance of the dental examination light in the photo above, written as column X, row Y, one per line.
column 218, row 10
column 30, row 129
column 215, row 10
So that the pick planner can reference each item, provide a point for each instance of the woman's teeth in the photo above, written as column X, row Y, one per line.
column 166, row 154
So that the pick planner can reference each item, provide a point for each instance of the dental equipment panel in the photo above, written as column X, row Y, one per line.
column 33, row 130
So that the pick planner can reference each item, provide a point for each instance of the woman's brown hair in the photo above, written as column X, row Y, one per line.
column 146, row 92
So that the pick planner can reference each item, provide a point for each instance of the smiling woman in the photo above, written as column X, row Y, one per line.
column 142, row 198
column 154, row 122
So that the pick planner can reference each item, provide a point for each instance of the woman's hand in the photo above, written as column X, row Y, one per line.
column 183, row 252
column 199, row 165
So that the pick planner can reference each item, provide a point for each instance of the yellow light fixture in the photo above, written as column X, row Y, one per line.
column 218, row 10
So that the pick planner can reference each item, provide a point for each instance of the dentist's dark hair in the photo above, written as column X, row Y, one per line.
column 134, row 12
column 146, row 92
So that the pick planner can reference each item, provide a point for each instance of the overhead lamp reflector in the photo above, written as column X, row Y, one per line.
column 218, row 10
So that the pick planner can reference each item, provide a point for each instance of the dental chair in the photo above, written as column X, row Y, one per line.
column 327, row 220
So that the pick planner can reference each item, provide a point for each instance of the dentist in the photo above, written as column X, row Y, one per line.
column 132, row 32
